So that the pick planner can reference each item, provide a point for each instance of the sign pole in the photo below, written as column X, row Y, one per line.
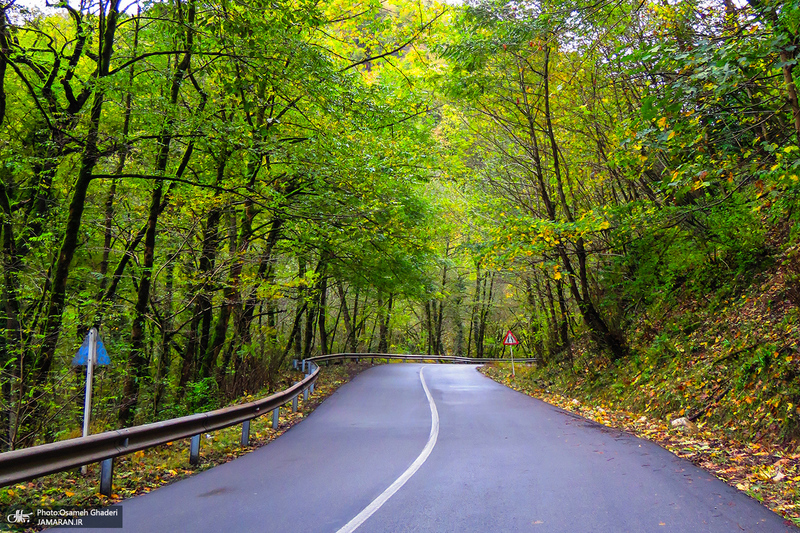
column 510, row 340
column 87, row 404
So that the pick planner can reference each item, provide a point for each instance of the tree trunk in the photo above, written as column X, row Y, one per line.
column 137, row 361
column 296, row 336
column 315, row 310
column 89, row 159
column 429, row 328
column 112, row 192
column 11, row 355
column 600, row 330
column 265, row 272
column 207, row 263
column 350, row 340
column 229, row 298
column 458, row 345
column 163, row 364
column 323, row 310
column 385, row 315
column 563, row 325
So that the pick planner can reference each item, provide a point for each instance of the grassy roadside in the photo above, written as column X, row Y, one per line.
column 766, row 471
column 147, row 470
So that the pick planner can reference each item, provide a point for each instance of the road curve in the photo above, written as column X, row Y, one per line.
column 500, row 461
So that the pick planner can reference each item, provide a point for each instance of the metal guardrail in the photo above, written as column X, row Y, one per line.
column 439, row 358
column 37, row 461
column 29, row 463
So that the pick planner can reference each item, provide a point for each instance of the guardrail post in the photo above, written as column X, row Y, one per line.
column 304, row 365
column 106, row 476
column 311, row 388
column 194, row 450
column 245, row 433
column 294, row 364
column 305, row 395
column 276, row 417
column 294, row 404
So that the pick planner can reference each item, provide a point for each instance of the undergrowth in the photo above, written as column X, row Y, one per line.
column 724, row 353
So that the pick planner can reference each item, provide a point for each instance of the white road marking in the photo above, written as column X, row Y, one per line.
column 376, row 504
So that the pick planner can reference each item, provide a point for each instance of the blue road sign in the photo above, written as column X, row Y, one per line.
column 83, row 353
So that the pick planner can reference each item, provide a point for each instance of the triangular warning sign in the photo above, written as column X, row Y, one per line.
column 82, row 357
column 510, row 339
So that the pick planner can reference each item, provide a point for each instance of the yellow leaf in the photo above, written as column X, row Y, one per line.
column 662, row 122
column 69, row 494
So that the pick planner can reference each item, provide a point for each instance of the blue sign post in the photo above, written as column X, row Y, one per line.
column 91, row 353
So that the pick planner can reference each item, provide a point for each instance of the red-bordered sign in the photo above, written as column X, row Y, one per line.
column 510, row 339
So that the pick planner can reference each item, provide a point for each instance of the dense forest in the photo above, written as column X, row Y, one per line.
column 222, row 186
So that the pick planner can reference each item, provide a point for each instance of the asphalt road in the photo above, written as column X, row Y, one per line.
column 453, row 451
